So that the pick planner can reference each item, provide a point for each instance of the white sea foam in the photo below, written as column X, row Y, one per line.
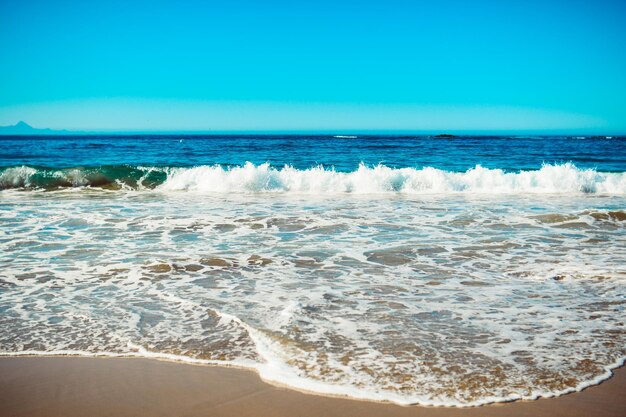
column 380, row 179
column 410, row 300
column 565, row 178
column 16, row 177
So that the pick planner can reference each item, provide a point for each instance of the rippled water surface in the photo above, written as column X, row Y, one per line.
column 408, row 284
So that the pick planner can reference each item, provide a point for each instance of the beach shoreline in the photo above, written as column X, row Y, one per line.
column 73, row 386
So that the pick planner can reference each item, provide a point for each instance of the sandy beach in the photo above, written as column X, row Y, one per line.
column 319, row 209
column 68, row 387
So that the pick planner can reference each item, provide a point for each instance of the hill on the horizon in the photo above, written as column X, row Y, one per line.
column 23, row 128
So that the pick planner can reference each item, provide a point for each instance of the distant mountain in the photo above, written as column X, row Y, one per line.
column 23, row 128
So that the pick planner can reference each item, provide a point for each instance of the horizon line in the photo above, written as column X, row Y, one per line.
column 36, row 131
column 113, row 132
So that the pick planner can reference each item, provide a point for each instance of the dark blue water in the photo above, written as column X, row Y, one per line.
column 301, row 151
column 450, row 285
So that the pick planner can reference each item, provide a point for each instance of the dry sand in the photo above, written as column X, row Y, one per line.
column 142, row 387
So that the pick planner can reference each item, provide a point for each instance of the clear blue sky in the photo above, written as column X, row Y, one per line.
column 314, row 65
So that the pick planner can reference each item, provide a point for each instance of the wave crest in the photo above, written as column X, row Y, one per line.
column 565, row 178
column 380, row 179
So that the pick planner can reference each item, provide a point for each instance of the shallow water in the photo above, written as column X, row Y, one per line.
column 500, row 289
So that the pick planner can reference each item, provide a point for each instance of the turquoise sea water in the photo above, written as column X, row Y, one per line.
column 445, row 271
column 343, row 153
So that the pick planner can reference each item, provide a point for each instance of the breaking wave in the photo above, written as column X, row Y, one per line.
column 250, row 178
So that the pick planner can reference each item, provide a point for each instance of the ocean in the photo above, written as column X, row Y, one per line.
column 451, row 271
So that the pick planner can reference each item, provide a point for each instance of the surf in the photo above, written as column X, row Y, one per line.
column 320, row 180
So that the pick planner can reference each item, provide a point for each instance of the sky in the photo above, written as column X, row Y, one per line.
column 241, row 65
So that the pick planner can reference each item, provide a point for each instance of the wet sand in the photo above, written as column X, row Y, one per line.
column 69, row 387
